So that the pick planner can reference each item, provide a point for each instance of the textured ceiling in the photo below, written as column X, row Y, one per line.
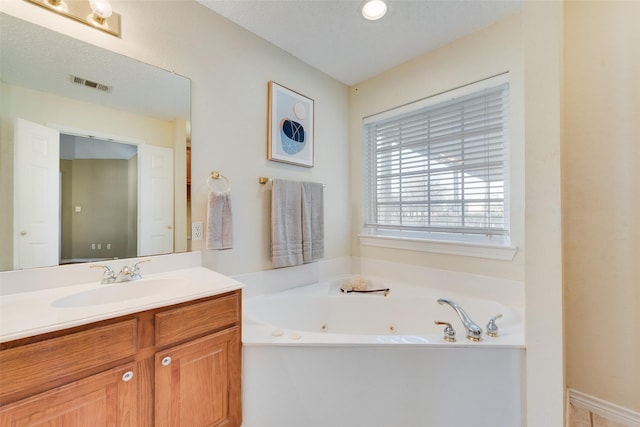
column 332, row 36
column 35, row 57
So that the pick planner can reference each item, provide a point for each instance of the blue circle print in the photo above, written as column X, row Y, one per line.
column 292, row 136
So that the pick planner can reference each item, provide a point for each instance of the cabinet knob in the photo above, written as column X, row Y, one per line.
column 166, row 361
column 127, row 376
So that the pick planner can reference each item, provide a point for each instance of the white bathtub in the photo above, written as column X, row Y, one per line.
column 314, row 356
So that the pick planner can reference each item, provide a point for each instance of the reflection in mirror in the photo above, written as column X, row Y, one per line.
column 99, row 191
column 59, row 88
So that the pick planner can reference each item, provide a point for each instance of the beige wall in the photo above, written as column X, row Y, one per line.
column 601, row 203
column 229, row 69
column 489, row 52
column 45, row 108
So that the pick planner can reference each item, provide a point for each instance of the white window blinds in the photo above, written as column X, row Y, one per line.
column 438, row 170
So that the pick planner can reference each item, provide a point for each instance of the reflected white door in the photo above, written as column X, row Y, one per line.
column 155, row 200
column 36, row 197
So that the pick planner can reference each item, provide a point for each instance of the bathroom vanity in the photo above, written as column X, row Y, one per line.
column 173, row 359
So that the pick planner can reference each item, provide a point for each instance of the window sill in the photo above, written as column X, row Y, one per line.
column 504, row 253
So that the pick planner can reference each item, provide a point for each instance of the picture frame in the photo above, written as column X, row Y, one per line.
column 290, row 126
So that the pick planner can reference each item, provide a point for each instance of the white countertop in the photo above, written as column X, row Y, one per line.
column 35, row 312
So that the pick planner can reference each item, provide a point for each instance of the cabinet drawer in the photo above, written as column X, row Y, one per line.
column 185, row 322
column 37, row 365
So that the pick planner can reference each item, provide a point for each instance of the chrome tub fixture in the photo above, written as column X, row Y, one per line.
column 449, row 332
column 347, row 289
column 474, row 332
column 492, row 328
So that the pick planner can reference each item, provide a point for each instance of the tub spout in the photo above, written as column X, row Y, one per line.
column 474, row 332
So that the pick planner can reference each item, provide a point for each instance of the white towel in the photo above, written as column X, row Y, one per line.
column 286, row 223
column 312, row 221
column 219, row 221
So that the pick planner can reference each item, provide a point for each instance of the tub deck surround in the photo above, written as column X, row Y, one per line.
column 319, row 314
column 315, row 356
column 37, row 309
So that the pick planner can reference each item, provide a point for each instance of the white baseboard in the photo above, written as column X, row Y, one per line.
column 605, row 409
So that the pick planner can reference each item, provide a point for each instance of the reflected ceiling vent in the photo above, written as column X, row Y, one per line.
column 89, row 83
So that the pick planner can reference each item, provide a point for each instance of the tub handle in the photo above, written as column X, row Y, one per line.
column 449, row 332
column 492, row 328
column 347, row 289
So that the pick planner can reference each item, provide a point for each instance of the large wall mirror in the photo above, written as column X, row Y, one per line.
column 93, row 152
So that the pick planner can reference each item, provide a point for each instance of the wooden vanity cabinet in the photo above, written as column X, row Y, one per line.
column 197, row 382
column 192, row 384
column 172, row 366
column 106, row 399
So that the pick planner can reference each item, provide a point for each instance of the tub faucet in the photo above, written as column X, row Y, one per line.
column 474, row 332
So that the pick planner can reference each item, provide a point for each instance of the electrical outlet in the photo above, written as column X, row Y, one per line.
column 196, row 230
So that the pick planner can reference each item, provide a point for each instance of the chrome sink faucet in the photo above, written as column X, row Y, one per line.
column 130, row 273
column 474, row 332
column 126, row 273
column 108, row 275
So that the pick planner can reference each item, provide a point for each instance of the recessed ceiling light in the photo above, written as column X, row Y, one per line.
column 374, row 9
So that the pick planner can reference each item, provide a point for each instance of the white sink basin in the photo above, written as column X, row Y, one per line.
column 117, row 292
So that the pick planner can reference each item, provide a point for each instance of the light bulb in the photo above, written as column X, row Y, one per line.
column 101, row 9
column 374, row 9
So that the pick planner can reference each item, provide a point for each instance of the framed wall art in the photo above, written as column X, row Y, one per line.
column 290, row 129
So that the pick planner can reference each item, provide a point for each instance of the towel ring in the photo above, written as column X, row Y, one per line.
column 217, row 175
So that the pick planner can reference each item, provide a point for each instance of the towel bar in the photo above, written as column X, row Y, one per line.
column 265, row 180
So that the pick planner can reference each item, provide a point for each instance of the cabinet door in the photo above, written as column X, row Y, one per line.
column 197, row 384
column 104, row 399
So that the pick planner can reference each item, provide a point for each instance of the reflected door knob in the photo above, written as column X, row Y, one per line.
column 23, row 233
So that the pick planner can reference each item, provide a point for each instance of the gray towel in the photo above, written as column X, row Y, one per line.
column 312, row 221
column 219, row 221
column 286, row 223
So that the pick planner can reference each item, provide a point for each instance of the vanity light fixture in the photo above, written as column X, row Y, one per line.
column 101, row 11
column 373, row 10
column 95, row 13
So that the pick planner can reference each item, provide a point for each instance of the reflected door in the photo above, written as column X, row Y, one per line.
column 155, row 207
column 36, row 196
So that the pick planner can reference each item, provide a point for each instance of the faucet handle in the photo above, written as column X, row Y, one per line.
column 134, row 271
column 492, row 328
column 140, row 262
column 108, row 276
column 449, row 332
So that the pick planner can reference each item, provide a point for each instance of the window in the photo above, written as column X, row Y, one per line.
column 437, row 169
